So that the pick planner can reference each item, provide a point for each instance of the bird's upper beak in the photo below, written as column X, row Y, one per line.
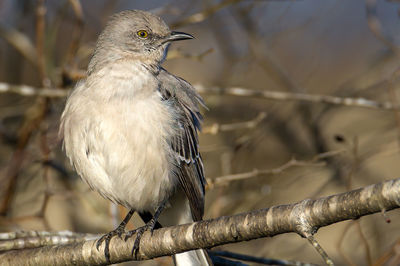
column 178, row 36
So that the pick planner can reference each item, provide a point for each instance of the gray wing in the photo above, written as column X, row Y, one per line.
column 190, row 171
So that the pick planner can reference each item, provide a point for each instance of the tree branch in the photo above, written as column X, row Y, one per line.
column 216, row 128
column 203, row 15
column 26, row 90
column 375, row 26
column 303, row 218
column 315, row 161
column 291, row 96
column 34, row 239
column 20, row 42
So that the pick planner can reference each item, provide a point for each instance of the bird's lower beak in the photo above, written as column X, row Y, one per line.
column 178, row 36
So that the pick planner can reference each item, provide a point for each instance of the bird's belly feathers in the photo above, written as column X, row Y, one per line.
column 121, row 149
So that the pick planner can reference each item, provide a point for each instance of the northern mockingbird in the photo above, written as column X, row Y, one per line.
column 130, row 129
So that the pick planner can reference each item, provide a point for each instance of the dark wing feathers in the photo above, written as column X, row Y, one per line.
column 190, row 184
column 190, row 171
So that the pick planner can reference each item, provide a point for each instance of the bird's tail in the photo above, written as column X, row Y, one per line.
column 192, row 258
column 179, row 213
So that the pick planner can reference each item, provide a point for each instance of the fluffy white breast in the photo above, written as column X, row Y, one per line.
column 116, row 130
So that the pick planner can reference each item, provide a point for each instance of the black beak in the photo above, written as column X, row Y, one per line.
column 178, row 36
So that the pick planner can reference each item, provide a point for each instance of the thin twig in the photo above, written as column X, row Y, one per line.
column 375, row 26
column 70, row 66
column 21, row 43
column 45, row 150
column 40, row 35
column 320, row 250
column 216, row 128
column 365, row 243
column 203, row 15
column 221, row 180
column 341, row 241
column 390, row 257
column 77, row 31
column 395, row 100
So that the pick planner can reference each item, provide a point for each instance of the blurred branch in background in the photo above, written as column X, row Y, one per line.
column 317, row 160
column 34, row 239
column 217, row 128
column 201, row 16
column 77, row 31
column 20, row 42
column 25, row 90
column 288, row 96
column 376, row 28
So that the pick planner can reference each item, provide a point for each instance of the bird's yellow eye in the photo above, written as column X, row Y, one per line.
column 143, row 34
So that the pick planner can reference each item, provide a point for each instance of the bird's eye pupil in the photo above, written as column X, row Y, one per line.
column 142, row 34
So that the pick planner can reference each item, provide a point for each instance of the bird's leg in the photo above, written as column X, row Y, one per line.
column 147, row 216
column 118, row 231
column 150, row 225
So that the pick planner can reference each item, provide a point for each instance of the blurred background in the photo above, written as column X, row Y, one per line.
column 258, row 151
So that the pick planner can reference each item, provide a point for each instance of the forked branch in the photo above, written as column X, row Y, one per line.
column 304, row 218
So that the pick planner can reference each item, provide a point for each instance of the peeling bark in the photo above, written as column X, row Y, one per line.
column 304, row 218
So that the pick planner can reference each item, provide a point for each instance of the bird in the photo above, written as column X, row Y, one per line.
column 130, row 129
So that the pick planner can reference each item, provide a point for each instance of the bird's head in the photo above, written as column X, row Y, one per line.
column 137, row 34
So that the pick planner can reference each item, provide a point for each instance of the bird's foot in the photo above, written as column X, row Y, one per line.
column 117, row 232
column 107, row 238
column 139, row 232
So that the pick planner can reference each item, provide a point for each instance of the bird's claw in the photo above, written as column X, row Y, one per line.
column 139, row 232
column 107, row 238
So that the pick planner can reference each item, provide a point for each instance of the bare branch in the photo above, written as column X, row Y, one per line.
column 304, row 218
column 216, row 128
column 70, row 66
column 221, row 180
column 203, row 15
column 320, row 250
column 390, row 257
column 21, row 43
column 340, row 243
column 40, row 35
column 26, row 90
column 77, row 31
column 375, row 26
column 290, row 96
column 32, row 239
